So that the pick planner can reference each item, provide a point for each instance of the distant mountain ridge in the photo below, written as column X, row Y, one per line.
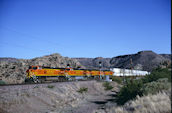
column 143, row 60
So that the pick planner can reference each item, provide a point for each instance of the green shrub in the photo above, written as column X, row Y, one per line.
column 157, row 74
column 107, row 86
column 117, row 79
column 2, row 82
column 50, row 86
column 82, row 90
column 37, row 87
column 158, row 80
column 156, row 86
column 129, row 91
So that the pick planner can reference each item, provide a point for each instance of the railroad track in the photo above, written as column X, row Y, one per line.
column 41, row 83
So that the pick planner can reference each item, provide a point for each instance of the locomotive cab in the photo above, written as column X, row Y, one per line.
column 34, row 67
column 31, row 70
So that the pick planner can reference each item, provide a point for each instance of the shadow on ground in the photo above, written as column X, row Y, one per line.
column 111, row 99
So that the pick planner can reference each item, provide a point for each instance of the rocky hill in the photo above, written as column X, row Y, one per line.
column 93, row 63
column 143, row 60
column 8, row 59
column 167, row 56
column 14, row 70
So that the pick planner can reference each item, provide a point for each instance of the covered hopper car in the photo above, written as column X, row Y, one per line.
column 41, row 74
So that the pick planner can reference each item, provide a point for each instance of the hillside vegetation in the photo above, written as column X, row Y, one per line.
column 151, row 94
column 159, row 80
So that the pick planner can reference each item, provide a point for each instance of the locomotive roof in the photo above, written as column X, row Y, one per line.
column 75, row 69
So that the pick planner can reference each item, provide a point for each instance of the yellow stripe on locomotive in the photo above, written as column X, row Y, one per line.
column 46, row 72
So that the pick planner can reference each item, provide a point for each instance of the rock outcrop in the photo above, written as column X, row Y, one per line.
column 14, row 70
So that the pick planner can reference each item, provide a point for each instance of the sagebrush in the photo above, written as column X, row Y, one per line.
column 107, row 86
column 82, row 90
column 2, row 82
column 50, row 86
column 117, row 79
column 157, row 81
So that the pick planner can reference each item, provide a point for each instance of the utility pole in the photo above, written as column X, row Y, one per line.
column 100, row 64
column 131, row 66
column 131, row 63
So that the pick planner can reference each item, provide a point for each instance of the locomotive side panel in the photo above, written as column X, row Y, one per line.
column 38, row 71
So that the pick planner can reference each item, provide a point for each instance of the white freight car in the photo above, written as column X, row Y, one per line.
column 128, row 72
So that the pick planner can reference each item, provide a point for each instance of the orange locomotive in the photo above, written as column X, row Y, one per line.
column 40, row 73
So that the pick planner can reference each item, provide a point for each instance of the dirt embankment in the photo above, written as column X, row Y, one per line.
column 65, row 98
column 56, row 97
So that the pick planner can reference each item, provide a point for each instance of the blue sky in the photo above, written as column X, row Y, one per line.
column 84, row 28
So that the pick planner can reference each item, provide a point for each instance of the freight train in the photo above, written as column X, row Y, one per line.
column 41, row 74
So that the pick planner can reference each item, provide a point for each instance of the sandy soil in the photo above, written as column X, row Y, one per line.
column 62, row 97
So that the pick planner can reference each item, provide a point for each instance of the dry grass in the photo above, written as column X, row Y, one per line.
column 159, row 103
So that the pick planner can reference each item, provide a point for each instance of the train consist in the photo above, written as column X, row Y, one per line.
column 41, row 74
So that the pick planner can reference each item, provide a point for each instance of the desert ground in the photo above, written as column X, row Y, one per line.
column 61, row 97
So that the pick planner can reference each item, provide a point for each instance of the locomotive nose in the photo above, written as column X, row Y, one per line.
column 27, row 71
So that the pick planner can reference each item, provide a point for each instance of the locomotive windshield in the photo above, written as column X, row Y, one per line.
column 34, row 68
column 30, row 67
